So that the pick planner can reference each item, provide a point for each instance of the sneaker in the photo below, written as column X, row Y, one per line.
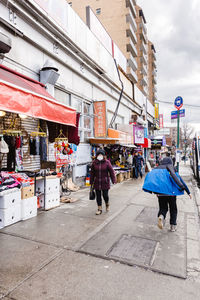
column 161, row 222
column 173, row 228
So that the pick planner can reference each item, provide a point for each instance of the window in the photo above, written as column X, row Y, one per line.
column 98, row 11
column 62, row 97
column 86, row 118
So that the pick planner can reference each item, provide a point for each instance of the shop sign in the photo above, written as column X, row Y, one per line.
column 156, row 105
column 100, row 119
column 161, row 121
column 138, row 133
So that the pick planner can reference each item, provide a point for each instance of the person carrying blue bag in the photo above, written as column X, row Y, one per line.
column 167, row 184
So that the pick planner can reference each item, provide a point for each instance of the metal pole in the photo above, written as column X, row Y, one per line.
column 178, row 121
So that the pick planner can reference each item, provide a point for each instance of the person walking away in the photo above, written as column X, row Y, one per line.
column 101, row 172
column 167, row 184
column 138, row 163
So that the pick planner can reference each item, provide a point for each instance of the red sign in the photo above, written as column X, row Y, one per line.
column 161, row 121
column 100, row 119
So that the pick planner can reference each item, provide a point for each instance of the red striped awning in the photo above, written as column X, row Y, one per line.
column 21, row 94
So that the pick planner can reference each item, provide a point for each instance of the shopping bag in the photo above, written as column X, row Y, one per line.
column 92, row 193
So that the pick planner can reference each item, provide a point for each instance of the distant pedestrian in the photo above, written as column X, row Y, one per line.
column 138, row 163
column 167, row 184
column 101, row 172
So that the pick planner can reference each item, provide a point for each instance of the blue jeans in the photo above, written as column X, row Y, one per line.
column 138, row 171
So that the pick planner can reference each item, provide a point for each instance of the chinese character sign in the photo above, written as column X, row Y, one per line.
column 156, row 105
column 100, row 119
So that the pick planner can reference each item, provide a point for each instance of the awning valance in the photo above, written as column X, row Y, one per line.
column 106, row 141
column 20, row 94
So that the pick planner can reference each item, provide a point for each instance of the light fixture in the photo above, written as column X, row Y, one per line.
column 23, row 116
column 2, row 113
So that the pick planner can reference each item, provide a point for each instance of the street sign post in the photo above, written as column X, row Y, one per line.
column 178, row 103
column 174, row 114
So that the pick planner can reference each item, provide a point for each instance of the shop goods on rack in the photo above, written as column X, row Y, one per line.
column 48, row 191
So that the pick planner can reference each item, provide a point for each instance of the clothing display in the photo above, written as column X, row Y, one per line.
column 8, row 182
column 43, row 148
column 10, row 140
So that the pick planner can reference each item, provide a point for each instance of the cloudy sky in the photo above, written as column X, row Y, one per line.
column 173, row 27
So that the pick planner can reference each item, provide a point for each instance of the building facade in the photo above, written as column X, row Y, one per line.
column 41, row 33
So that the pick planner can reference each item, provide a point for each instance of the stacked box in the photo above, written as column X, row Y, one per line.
column 10, row 207
column 28, row 208
column 27, row 191
column 51, row 193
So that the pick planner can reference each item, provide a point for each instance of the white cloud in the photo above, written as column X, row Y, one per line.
column 173, row 27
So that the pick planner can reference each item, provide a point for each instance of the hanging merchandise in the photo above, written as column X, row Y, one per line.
column 63, row 151
column 3, row 146
column 19, row 160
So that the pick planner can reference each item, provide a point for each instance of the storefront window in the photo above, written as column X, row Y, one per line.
column 77, row 104
column 87, row 122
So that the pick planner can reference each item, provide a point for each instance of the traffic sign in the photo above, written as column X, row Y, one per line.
column 174, row 114
column 178, row 103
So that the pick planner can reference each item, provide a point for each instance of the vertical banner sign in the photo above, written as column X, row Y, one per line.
column 161, row 121
column 138, row 132
column 156, row 105
column 100, row 119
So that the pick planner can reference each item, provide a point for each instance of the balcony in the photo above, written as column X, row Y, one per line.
column 130, row 19
column 130, row 33
column 132, row 62
column 143, row 70
column 154, row 55
column 154, row 73
column 129, row 3
column 154, row 89
column 131, row 47
column 154, row 80
column 154, row 64
column 143, row 26
column 143, row 81
column 143, row 48
column 131, row 74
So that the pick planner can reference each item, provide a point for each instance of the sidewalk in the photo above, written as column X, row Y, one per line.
column 70, row 253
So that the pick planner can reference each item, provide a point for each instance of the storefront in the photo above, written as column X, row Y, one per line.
column 118, row 146
column 30, row 121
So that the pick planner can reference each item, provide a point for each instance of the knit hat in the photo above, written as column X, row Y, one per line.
column 101, row 151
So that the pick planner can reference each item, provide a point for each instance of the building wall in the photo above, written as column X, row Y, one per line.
column 34, row 40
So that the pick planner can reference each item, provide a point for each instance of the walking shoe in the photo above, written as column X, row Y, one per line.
column 173, row 228
column 161, row 222
column 107, row 207
column 99, row 211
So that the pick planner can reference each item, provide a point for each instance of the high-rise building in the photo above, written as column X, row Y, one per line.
column 125, row 22
column 120, row 23
column 152, row 73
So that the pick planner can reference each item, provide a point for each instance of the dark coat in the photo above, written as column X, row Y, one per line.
column 138, row 161
column 101, row 172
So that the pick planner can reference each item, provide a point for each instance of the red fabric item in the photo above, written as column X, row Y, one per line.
column 73, row 136
column 20, row 94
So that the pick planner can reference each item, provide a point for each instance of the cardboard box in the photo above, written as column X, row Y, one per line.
column 27, row 192
column 120, row 177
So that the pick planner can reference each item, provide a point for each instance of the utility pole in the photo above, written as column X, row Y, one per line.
column 178, row 103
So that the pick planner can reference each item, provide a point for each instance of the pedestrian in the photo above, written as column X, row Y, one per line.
column 101, row 172
column 138, row 163
column 167, row 184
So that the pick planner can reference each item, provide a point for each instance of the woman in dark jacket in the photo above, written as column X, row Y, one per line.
column 167, row 184
column 101, row 172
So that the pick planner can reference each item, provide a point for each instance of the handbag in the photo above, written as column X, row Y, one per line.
column 3, row 147
column 92, row 193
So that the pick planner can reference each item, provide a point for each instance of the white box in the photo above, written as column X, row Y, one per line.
column 11, row 199
column 10, row 215
column 51, row 200
column 29, row 208
column 52, row 185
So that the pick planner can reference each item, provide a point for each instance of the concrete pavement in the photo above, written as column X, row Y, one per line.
column 70, row 253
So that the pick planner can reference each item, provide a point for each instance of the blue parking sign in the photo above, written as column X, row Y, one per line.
column 178, row 103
